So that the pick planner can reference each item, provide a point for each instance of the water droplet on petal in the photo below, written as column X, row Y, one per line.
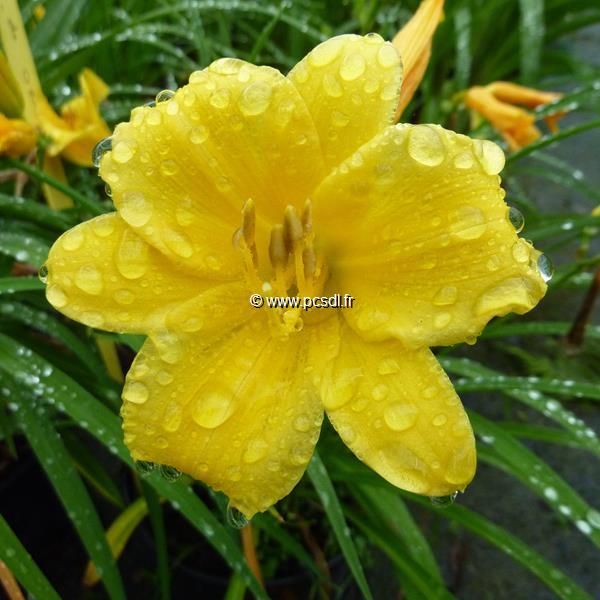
column 426, row 146
column 212, row 409
column 400, row 417
column 326, row 52
column 169, row 473
column 172, row 416
column 198, row 134
column 220, row 98
column 545, row 267
column 89, row 280
column 332, row 86
column 100, row 149
column 353, row 66
column 521, row 251
column 439, row 420
column 236, row 518
column 446, row 296
column 56, row 296
column 516, row 219
column 388, row 56
column 72, row 239
column 490, row 156
column 164, row 96
column 122, row 152
column 256, row 450
column 255, row 99
column 468, row 223
column 144, row 466
column 443, row 501
column 136, row 392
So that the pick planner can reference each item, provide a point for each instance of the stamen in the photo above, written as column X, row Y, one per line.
column 307, row 217
column 277, row 251
column 292, row 227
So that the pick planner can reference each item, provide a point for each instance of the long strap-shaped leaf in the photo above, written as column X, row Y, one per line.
column 23, row 567
column 56, row 462
column 38, row 374
column 324, row 488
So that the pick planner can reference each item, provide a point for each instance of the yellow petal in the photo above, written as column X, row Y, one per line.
column 425, row 246
column 80, row 126
column 235, row 132
column 512, row 93
column 413, row 42
column 104, row 275
column 398, row 412
column 17, row 138
column 240, row 413
column 351, row 86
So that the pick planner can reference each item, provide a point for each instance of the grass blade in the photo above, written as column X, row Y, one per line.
column 324, row 488
column 21, row 564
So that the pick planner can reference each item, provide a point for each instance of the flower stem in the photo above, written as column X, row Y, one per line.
column 250, row 553
column 9, row 583
column 576, row 334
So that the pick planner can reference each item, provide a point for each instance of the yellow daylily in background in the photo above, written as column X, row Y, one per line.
column 413, row 42
column 79, row 127
column 17, row 137
column 500, row 103
column 250, row 182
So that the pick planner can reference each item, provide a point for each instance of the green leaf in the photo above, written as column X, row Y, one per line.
column 56, row 462
column 531, row 35
column 322, row 484
column 12, row 285
column 22, row 566
column 35, row 212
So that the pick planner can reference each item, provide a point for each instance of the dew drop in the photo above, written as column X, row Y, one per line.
column 446, row 296
column 388, row 56
column 545, row 268
column 516, row 219
column 220, row 98
column 135, row 208
column 89, row 280
column 464, row 160
column 100, row 149
column 124, row 297
column 439, row 420
column 400, row 417
column 332, row 86
column 169, row 473
column 353, row 66
column 256, row 450
column 255, row 99
column 172, row 416
column 490, row 156
column 425, row 146
column 136, row 392
column 326, row 52
column 235, row 517
column 199, row 134
column 442, row 320
column 339, row 119
column 169, row 167
column 154, row 117
column 164, row 96
column 144, row 466
column 122, row 152
column 443, row 501
column 43, row 273
column 469, row 223
column 72, row 239
column 212, row 410
column 520, row 251
column 56, row 296
column 302, row 424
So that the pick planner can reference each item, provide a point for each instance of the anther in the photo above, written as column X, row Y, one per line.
column 249, row 222
column 277, row 251
column 307, row 217
column 292, row 227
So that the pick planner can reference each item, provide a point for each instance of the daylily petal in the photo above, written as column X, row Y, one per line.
column 398, row 412
column 413, row 42
column 436, row 257
column 180, row 172
column 102, row 274
column 351, row 86
column 80, row 126
column 17, row 137
column 240, row 413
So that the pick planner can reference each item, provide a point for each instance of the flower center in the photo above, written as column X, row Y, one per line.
column 297, row 270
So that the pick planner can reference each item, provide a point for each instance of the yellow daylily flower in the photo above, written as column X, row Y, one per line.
column 80, row 126
column 250, row 182
column 413, row 42
column 17, row 137
column 499, row 103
